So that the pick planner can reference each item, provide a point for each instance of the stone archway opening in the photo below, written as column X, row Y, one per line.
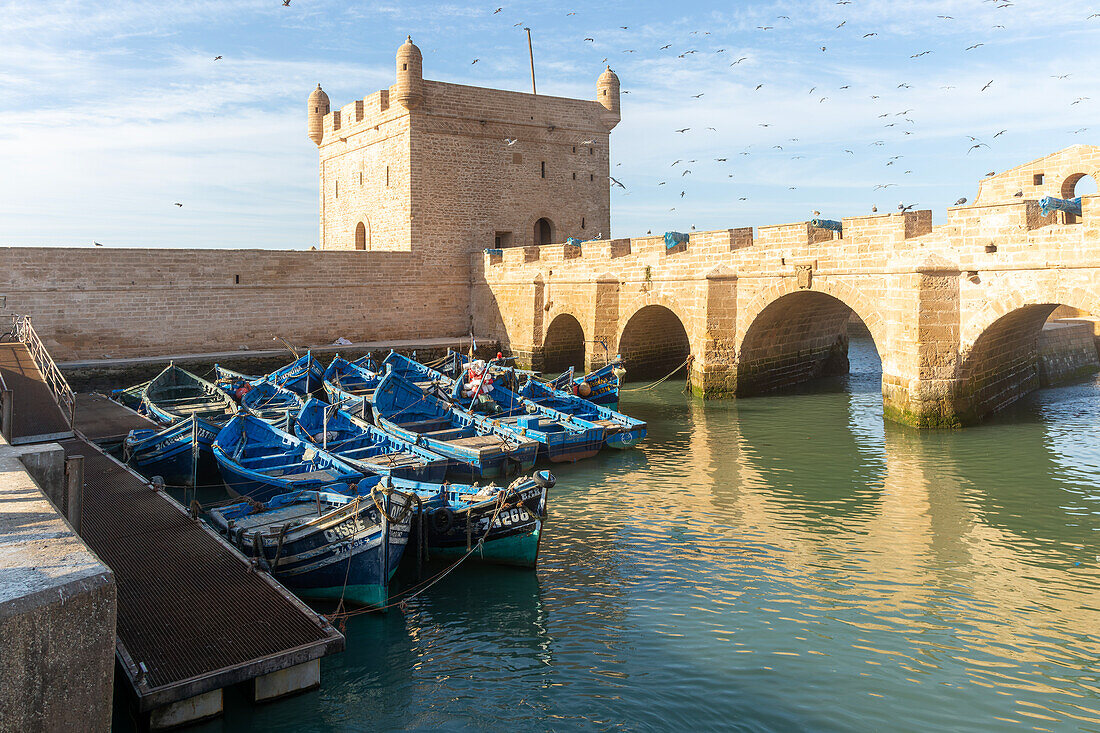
column 653, row 343
column 1034, row 346
column 544, row 231
column 563, row 346
column 800, row 337
column 360, row 236
column 1079, row 184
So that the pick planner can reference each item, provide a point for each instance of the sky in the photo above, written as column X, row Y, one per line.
column 113, row 112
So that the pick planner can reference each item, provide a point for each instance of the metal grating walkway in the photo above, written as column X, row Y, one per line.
column 100, row 420
column 189, row 608
column 35, row 415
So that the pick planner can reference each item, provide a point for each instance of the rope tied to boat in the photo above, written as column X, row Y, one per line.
column 663, row 379
column 340, row 616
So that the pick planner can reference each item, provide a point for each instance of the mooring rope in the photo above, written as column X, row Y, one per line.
column 419, row 588
column 662, row 379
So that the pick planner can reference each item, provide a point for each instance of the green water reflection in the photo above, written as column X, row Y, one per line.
column 779, row 563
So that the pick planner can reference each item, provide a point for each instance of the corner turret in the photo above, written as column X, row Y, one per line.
column 607, row 94
column 409, row 90
column 317, row 108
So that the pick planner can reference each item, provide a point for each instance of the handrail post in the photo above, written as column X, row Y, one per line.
column 7, row 413
column 74, row 480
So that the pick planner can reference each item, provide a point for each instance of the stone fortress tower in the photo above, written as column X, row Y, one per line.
column 448, row 169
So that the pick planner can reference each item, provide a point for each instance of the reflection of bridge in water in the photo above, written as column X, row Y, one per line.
column 954, row 310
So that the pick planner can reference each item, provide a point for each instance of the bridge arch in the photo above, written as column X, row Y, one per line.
column 1000, row 353
column 563, row 346
column 653, row 341
column 790, row 335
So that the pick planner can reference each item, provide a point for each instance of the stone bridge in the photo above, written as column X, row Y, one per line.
column 955, row 310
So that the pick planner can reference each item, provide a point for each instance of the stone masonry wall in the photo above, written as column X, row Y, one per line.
column 92, row 303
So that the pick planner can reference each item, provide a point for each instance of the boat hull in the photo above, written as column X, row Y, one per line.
column 510, row 536
column 349, row 554
column 169, row 453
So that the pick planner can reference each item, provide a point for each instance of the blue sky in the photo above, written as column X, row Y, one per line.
column 112, row 112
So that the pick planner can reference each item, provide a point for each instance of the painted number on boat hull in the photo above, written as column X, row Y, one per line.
column 345, row 529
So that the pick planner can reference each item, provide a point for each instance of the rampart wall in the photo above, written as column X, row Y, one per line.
column 91, row 303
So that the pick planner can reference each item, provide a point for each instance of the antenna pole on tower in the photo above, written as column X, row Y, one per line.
column 531, row 54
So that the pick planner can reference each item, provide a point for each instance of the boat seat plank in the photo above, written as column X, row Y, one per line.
column 478, row 441
column 420, row 426
column 321, row 475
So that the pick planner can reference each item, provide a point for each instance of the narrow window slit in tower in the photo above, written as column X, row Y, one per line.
column 542, row 170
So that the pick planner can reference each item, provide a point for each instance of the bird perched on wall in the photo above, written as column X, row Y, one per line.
column 1019, row 194
column 97, row 244
column 961, row 201
column 874, row 209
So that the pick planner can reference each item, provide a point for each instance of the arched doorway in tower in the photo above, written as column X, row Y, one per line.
column 361, row 236
column 801, row 337
column 544, row 231
column 653, row 343
column 563, row 346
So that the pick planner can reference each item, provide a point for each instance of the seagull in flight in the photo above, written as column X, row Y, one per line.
column 615, row 182
column 217, row 58
column 974, row 147
column 179, row 204
column 989, row 84
column 976, row 45
column 510, row 141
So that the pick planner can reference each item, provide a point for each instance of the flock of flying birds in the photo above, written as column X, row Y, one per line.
column 897, row 124
column 975, row 143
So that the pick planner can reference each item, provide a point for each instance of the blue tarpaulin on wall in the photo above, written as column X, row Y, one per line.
column 674, row 238
column 1070, row 206
column 573, row 241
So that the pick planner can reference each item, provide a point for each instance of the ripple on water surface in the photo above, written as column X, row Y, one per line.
column 775, row 563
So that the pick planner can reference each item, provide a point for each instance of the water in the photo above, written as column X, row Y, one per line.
column 779, row 563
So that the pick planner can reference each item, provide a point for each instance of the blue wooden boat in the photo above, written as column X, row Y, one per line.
column 350, row 385
column 365, row 446
column 324, row 544
column 622, row 431
column 168, row 452
column 304, row 376
column 477, row 447
column 257, row 459
column 271, row 403
column 233, row 383
column 176, row 394
column 499, row 525
column 601, row 386
column 561, row 437
column 130, row 397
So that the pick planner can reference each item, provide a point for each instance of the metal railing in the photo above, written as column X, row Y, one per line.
column 19, row 328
